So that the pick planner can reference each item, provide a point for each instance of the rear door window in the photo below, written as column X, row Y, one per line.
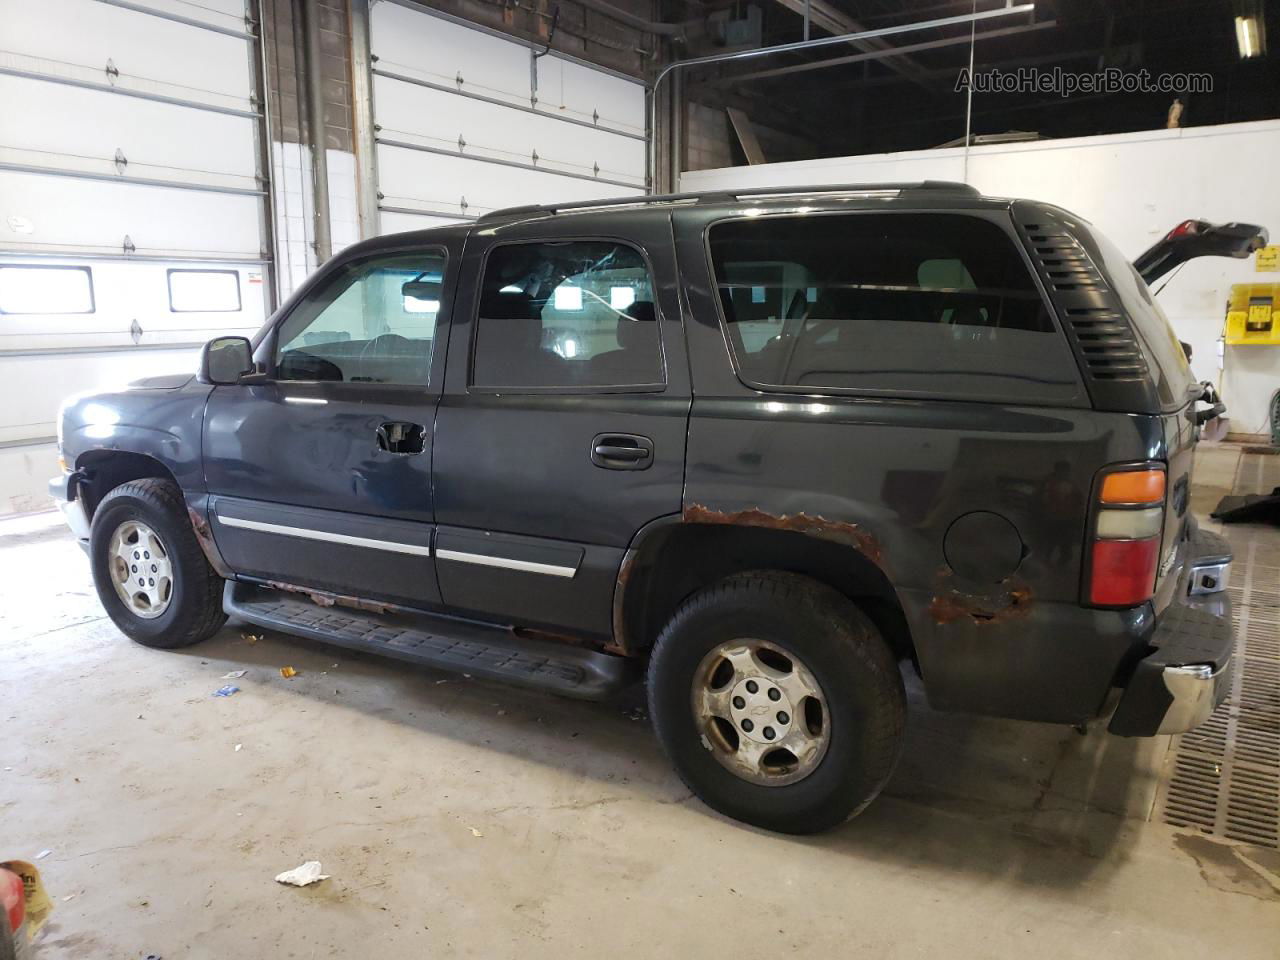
column 893, row 304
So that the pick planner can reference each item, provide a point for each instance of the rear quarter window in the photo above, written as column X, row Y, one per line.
column 906, row 304
column 1170, row 369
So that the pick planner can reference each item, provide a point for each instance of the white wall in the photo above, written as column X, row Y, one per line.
column 1134, row 187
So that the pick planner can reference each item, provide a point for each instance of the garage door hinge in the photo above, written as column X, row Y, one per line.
column 112, row 73
column 458, row 80
column 462, row 144
column 128, row 246
column 535, row 157
column 463, row 204
column 595, row 168
column 595, row 117
column 120, row 160
column 135, row 330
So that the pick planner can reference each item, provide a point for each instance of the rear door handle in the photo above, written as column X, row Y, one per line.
column 621, row 451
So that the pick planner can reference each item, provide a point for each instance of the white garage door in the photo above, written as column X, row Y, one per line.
column 461, row 130
column 132, row 207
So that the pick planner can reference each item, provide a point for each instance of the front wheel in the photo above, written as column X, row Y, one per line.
column 149, row 571
column 777, row 701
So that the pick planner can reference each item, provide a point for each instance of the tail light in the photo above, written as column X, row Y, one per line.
column 1128, row 519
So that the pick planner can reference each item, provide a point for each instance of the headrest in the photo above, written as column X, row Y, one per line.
column 497, row 305
column 634, row 332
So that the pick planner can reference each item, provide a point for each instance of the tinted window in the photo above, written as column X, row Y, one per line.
column 40, row 289
column 936, row 304
column 374, row 322
column 573, row 314
column 1171, row 370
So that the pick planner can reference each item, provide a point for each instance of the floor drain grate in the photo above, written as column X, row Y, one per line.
column 1224, row 776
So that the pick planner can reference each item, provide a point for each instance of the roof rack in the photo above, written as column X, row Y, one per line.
column 722, row 196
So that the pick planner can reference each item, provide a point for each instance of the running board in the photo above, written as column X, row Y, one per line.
column 446, row 644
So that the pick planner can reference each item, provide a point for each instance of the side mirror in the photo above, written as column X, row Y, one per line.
column 224, row 360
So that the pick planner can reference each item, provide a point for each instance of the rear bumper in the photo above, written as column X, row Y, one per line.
column 63, row 490
column 1180, row 683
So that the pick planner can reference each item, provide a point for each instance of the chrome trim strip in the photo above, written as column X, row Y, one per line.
column 525, row 566
column 306, row 534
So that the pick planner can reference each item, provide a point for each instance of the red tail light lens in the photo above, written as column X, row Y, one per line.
column 1127, row 524
column 1124, row 572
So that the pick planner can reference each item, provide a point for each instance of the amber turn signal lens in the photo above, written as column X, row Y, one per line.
column 1134, row 486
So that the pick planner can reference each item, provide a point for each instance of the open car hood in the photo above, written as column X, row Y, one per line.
column 1199, row 238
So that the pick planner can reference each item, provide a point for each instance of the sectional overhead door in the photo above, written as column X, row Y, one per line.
column 467, row 121
column 133, row 209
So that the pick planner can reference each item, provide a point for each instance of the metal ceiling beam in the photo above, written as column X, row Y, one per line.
column 826, row 17
column 877, row 54
column 1008, row 10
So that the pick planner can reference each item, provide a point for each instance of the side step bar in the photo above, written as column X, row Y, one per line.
column 443, row 643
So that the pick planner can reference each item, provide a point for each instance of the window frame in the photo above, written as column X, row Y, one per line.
column 88, row 272
column 266, row 349
column 1000, row 218
column 168, row 280
column 581, row 389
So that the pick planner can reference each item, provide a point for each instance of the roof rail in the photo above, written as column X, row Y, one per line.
column 722, row 196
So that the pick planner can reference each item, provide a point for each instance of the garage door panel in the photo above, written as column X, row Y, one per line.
column 583, row 93
column 441, row 51
column 73, row 128
column 92, row 215
column 409, row 174
column 438, row 119
column 77, row 38
column 404, row 222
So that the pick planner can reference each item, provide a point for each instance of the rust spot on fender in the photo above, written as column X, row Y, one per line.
column 849, row 534
column 323, row 598
column 204, row 537
column 620, row 643
column 1010, row 600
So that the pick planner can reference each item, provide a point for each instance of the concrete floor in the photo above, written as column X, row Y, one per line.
column 994, row 839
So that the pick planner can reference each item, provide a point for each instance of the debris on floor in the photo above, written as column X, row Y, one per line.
column 250, row 638
column 476, row 833
column 42, row 854
column 288, row 672
column 234, row 675
column 36, row 901
column 238, row 746
column 226, row 691
column 303, row 875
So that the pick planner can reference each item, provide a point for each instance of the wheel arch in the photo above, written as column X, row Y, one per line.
column 101, row 471
column 671, row 558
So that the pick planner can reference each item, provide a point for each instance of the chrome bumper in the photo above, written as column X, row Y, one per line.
column 1196, row 691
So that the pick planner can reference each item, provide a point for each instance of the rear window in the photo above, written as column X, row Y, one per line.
column 894, row 304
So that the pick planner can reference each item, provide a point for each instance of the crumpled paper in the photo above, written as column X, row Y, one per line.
column 301, row 876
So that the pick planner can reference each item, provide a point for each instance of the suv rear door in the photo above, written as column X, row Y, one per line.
column 562, row 427
column 320, row 476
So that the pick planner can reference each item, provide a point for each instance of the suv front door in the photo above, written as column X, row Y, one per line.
column 321, row 475
column 561, row 431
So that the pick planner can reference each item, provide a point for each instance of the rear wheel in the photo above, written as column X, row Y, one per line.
column 149, row 571
column 777, row 701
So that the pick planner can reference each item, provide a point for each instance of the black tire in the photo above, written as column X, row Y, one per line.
column 838, row 645
column 195, row 604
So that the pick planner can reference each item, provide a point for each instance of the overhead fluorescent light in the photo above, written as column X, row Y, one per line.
column 1251, row 29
